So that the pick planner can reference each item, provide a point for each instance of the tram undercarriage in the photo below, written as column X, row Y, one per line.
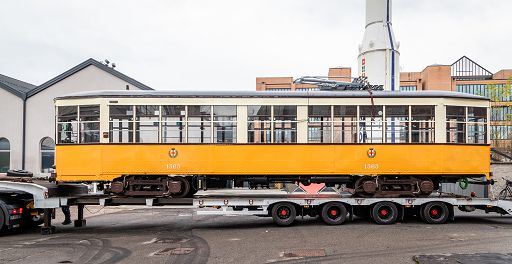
column 360, row 186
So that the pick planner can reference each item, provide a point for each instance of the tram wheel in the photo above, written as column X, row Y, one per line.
column 185, row 187
column 384, row 213
column 334, row 213
column 436, row 213
column 283, row 214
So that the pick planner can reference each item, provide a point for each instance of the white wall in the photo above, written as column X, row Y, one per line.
column 11, row 125
column 41, row 110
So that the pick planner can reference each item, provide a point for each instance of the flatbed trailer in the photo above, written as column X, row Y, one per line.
column 333, row 208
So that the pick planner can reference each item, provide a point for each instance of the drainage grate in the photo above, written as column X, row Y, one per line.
column 303, row 253
column 174, row 251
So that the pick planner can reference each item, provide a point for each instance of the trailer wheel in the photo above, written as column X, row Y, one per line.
column 2, row 220
column 334, row 213
column 283, row 214
column 436, row 213
column 384, row 213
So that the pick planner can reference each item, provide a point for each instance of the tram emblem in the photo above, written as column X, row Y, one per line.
column 173, row 153
column 371, row 153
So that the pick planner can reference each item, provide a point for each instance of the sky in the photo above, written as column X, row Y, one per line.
column 226, row 44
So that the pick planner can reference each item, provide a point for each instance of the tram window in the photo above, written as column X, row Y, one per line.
column 397, row 124
column 319, row 124
column 345, row 124
column 173, row 123
column 370, row 124
column 455, row 124
column 422, row 124
column 285, row 124
column 477, row 125
column 67, row 124
column 199, row 124
column 89, row 123
column 259, row 118
column 224, row 125
column 147, row 123
column 121, row 124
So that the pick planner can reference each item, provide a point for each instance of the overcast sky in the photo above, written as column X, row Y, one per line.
column 226, row 44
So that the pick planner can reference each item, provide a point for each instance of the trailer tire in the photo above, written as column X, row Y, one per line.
column 284, row 213
column 436, row 213
column 384, row 213
column 3, row 216
column 334, row 213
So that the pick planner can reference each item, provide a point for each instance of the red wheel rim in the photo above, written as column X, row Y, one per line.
column 383, row 212
column 434, row 212
column 333, row 212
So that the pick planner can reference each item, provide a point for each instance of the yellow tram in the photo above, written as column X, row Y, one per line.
column 160, row 142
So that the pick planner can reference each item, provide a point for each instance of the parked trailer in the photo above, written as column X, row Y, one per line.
column 284, row 208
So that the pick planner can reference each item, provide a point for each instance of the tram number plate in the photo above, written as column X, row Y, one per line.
column 371, row 166
column 173, row 166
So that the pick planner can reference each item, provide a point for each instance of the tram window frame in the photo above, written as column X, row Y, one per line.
column 371, row 116
column 224, row 123
column 147, row 124
column 259, row 124
column 89, row 123
column 477, row 125
column 67, row 124
column 284, row 124
column 397, row 123
column 319, row 124
column 173, row 123
column 124, row 131
column 202, row 120
column 423, row 123
column 456, row 124
column 345, row 123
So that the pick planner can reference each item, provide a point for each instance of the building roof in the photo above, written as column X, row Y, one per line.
column 268, row 94
column 82, row 66
column 14, row 86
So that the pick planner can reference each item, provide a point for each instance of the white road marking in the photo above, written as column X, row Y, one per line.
column 150, row 241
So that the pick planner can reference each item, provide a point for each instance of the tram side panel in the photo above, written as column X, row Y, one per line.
column 105, row 162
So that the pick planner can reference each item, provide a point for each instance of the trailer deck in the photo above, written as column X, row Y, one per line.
column 334, row 208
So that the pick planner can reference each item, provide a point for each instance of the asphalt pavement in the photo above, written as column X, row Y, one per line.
column 167, row 235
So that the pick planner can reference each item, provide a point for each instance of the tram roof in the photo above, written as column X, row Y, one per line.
column 267, row 94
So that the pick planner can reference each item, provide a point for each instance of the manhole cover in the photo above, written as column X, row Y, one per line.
column 304, row 253
column 174, row 251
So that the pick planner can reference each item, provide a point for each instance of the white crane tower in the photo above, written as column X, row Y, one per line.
column 378, row 53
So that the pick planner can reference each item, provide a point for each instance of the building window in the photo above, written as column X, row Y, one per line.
column 259, row 120
column 47, row 150
column 147, row 123
column 89, row 124
column 455, row 124
column 408, row 88
column 67, row 124
column 501, row 113
column 5, row 155
column 497, row 93
column 370, row 124
column 121, row 124
column 344, row 124
column 285, row 124
column 224, row 124
column 319, row 124
column 199, row 123
column 477, row 125
column 173, row 123
column 397, row 124
column 422, row 124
